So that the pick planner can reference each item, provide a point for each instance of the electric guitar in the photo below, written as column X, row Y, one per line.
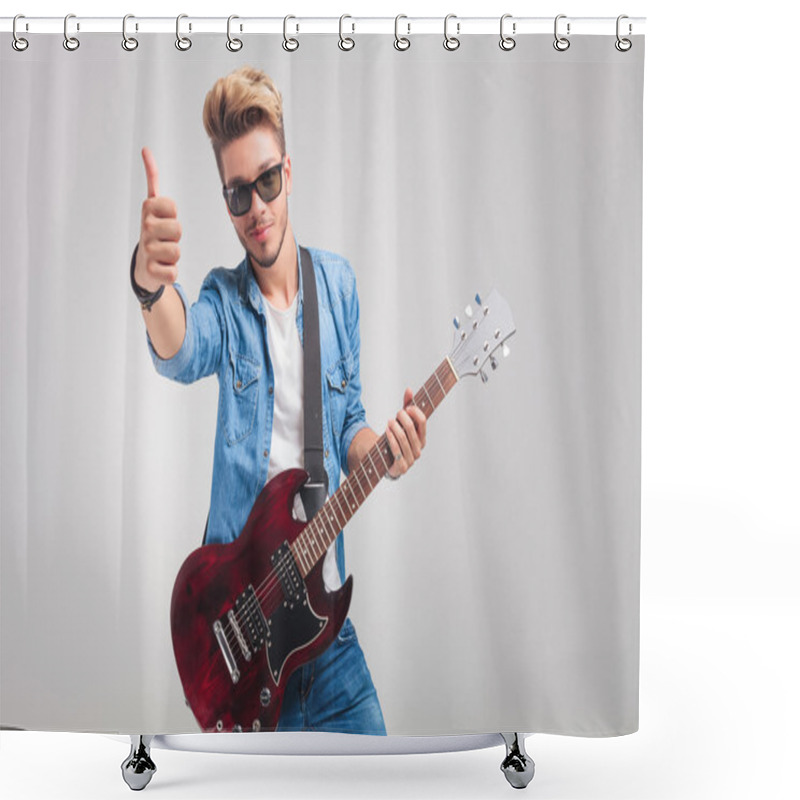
column 245, row 615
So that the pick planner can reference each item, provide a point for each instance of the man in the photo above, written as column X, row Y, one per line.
column 247, row 328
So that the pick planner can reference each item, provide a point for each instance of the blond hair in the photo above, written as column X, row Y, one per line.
column 238, row 103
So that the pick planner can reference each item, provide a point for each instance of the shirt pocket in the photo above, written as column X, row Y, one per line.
column 239, row 398
column 338, row 379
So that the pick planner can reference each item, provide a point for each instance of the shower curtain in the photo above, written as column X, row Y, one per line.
column 496, row 582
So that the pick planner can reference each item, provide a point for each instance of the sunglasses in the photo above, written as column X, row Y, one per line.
column 268, row 185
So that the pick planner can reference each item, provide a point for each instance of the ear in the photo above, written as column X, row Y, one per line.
column 287, row 174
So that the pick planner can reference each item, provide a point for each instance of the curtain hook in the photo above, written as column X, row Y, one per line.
column 623, row 45
column 346, row 42
column 234, row 45
column 451, row 42
column 70, row 42
column 182, row 42
column 18, row 43
column 561, row 43
column 289, row 44
column 507, row 42
column 129, row 43
column 401, row 42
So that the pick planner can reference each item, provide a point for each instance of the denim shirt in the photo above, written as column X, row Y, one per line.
column 226, row 335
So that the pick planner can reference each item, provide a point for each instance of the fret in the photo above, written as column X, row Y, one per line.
column 315, row 539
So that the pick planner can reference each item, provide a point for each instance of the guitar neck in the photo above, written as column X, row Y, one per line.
column 315, row 539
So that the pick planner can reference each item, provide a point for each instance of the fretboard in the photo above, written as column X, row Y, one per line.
column 315, row 539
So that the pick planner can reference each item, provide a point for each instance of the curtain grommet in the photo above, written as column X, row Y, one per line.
column 129, row 43
column 70, row 43
column 561, row 43
column 401, row 43
column 19, row 43
column 183, row 43
column 451, row 43
column 507, row 42
column 346, row 43
column 289, row 44
column 233, row 44
column 623, row 44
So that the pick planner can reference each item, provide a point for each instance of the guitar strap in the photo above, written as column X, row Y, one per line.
column 315, row 492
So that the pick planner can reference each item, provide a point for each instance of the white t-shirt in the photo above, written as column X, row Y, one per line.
column 286, row 449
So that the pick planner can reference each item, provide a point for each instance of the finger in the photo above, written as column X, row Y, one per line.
column 162, row 229
column 410, row 430
column 408, row 398
column 406, row 450
column 163, row 273
column 420, row 423
column 151, row 171
column 167, row 253
column 396, row 468
column 160, row 207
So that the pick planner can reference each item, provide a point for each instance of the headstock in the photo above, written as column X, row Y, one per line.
column 479, row 337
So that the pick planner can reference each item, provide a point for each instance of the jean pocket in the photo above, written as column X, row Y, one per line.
column 239, row 398
column 338, row 379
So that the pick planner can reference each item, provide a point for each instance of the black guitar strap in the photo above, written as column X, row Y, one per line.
column 315, row 492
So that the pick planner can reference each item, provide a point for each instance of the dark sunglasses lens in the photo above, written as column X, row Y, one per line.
column 239, row 200
column 268, row 185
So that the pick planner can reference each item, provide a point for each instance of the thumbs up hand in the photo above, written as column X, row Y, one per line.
column 157, row 258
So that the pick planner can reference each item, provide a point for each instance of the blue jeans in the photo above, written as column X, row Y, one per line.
column 333, row 693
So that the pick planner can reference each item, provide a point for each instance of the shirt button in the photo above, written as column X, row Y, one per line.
column 344, row 383
column 238, row 384
column 270, row 390
column 326, row 454
column 266, row 454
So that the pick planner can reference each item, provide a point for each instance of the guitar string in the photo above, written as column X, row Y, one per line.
column 272, row 579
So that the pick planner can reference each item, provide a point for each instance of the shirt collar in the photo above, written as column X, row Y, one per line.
column 248, row 286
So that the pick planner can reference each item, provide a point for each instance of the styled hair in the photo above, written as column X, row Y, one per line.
column 238, row 103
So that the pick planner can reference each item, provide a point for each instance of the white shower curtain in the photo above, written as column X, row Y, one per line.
column 438, row 175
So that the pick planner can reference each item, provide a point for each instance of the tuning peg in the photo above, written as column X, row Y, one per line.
column 456, row 323
column 484, row 376
column 506, row 350
column 468, row 311
column 478, row 299
column 493, row 362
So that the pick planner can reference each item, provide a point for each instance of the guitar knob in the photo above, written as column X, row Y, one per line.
column 266, row 696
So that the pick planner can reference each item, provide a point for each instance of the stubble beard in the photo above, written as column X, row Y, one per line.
column 268, row 259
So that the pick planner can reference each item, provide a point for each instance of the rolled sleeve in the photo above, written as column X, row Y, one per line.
column 199, row 354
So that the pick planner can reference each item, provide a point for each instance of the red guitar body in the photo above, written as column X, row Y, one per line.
column 241, row 621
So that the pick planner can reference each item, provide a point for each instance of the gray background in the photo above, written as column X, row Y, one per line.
column 437, row 174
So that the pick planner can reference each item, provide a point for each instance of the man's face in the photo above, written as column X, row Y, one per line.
column 262, row 229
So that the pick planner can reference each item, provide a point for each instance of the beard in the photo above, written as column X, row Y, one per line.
column 265, row 258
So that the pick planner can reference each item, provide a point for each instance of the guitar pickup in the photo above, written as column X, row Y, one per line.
column 294, row 589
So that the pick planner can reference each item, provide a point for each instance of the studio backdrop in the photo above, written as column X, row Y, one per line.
column 496, row 582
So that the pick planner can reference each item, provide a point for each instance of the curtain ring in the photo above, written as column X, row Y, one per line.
column 346, row 42
column 561, row 43
column 289, row 44
column 507, row 42
column 70, row 42
column 451, row 42
column 622, row 44
column 18, row 43
column 182, row 42
column 233, row 44
column 129, row 43
column 401, row 42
